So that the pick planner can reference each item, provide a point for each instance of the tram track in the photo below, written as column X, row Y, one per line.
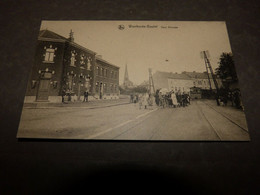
column 212, row 127
column 220, row 123
column 133, row 123
column 228, row 118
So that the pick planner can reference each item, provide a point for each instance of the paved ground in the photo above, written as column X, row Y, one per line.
column 202, row 120
column 89, row 104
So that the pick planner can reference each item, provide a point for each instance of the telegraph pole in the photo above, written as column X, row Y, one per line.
column 151, row 84
column 204, row 55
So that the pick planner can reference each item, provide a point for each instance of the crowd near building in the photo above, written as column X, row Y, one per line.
column 65, row 68
column 185, row 81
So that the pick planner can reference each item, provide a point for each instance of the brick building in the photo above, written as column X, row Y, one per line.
column 63, row 65
column 106, row 79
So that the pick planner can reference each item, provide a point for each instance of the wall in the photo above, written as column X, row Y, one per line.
column 40, row 65
column 107, row 78
column 79, row 71
column 204, row 83
column 183, row 85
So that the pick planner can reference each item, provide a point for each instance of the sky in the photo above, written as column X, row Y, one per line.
column 169, row 46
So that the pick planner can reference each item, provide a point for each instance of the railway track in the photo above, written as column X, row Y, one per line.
column 225, row 116
column 220, row 133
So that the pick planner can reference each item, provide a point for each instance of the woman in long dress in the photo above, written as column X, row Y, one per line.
column 146, row 100
column 174, row 99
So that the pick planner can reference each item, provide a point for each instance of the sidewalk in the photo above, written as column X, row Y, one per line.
column 78, row 104
column 233, row 114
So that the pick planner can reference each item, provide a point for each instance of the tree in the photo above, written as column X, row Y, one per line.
column 226, row 69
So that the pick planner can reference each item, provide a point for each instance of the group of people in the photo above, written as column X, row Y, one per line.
column 172, row 99
column 134, row 98
column 169, row 99
column 234, row 97
column 72, row 97
column 144, row 100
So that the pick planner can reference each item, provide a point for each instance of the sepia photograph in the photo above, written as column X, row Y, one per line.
column 133, row 80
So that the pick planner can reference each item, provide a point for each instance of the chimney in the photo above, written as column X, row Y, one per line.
column 71, row 37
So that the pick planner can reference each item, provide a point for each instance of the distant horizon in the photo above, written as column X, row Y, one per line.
column 165, row 46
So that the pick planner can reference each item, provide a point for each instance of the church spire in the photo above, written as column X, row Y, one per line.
column 127, row 82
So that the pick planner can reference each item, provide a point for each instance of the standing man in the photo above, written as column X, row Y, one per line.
column 63, row 93
column 85, row 96
column 131, row 98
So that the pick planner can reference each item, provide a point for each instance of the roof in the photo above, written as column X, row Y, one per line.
column 49, row 35
column 197, row 75
column 81, row 47
column 171, row 75
column 183, row 75
column 104, row 61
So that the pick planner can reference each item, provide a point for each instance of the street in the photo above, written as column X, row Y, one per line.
column 202, row 120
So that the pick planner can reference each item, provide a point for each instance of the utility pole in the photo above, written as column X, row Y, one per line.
column 204, row 55
column 151, row 84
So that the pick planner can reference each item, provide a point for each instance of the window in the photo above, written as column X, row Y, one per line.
column 33, row 84
column 73, row 58
column 111, row 74
column 115, row 88
column 88, row 63
column 97, row 86
column 97, row 70
column 82, row 60
column 102, row 72
column 105, row 87
column 111, row 87
column 105, row 72
column 70, row 81
column 49, row 54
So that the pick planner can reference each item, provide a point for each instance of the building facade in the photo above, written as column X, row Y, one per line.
column 184, row 81
column 63, row 66
column 203, row 80
column 106, row 80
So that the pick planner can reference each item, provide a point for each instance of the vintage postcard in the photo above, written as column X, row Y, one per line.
column 133, row 80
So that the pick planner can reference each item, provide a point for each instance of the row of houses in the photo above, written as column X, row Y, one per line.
column 184, row 81
column 61, row 65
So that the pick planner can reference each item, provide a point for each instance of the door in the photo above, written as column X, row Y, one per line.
column 101, row 91
column 43, row 91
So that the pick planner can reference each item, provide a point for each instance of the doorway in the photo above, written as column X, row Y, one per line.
column 43, row 90
column 101, row 91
